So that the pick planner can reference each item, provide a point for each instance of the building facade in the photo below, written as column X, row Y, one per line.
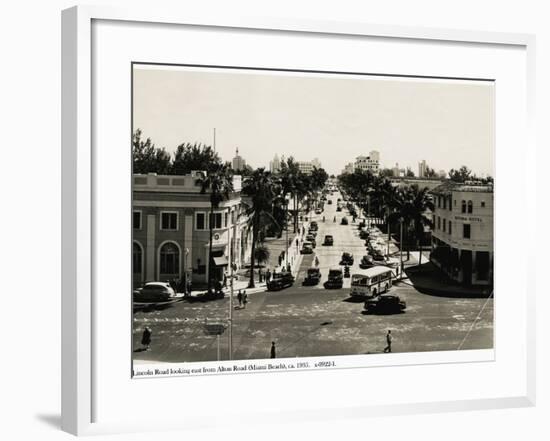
column 368, row 163
column 462, row 233
column 275, row 164
column 238, row 163
column 422, row 169
column 171, row 235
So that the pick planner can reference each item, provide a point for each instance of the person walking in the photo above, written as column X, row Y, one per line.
column 245, row 299
column 268, row 276
column 240, row 298
column 146, row 338
column 389, row 339
column 273, row 353
column 225, row 280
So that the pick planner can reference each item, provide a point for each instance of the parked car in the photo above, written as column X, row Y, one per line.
column 313, row 276
column 280, row 281
column 329, row 240
column 338, row 208
column 312, row 234
column 363, row 235
column 329, row 202
column 366, row 262
column 385, row 303
column 318, row 211
column 313, row 226
column 347, row 259
column 154, row 292
column 344, row 221
column 307, row 248
column 335, row 279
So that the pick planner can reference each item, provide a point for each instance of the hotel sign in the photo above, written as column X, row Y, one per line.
column 468, row 218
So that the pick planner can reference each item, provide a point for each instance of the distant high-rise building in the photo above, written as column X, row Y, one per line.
column 422, row 169
column 442, row 174
column 238, row 162
column 275, row 164
column 349, row 168
column 368, row 163
column 316, row 163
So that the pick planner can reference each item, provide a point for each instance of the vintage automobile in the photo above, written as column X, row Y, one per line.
column 335, row 279
column 385, row 303
column 311, row 236
column 329, row 240
column 366, row 262
column 154, row 292
column 280, row 281
column 313, row 277
column 307, row 248
column 313, row 226
column 363, row 235
column 338, row 208
column 318, row 211
column 329, row 202
column 213, row 294
column 347, row 259
column 344, row 221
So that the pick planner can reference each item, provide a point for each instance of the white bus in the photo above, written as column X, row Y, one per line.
column 372, row 282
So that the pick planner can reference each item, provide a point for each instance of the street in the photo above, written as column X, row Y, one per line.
column 313, row 321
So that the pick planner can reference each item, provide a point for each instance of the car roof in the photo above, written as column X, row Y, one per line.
column 160, row 284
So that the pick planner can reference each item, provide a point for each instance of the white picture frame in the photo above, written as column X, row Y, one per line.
column 80, row 203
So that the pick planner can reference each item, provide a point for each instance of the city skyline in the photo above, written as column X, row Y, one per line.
column 446, row 123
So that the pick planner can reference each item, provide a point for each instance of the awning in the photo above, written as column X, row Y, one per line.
column 221, row 261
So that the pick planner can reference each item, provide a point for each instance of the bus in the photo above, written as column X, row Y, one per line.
column 372, row 282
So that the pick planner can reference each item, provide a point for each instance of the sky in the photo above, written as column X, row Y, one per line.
column 332, row 117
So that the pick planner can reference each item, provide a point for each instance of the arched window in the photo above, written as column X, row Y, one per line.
column 464, row 206
column 470, row 206
column 169, row 259
column 137, row 259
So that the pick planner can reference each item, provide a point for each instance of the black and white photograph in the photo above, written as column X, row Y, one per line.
column 289, row 214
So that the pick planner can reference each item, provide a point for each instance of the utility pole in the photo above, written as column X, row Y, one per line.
column 401, row 245
column 214, row 138
column 231, row 266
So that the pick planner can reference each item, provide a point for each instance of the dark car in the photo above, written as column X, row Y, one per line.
column 307, row 248
column 329, row 202
column 364, row 235
column 313, row 277
column 344, row 221
column 366, row 262
column 329, row 240
column 338, row 208
column 154, row 292
column 335, row 279
column 313, row 226
column 347, row 259
column 280, row 281
column 385, row 303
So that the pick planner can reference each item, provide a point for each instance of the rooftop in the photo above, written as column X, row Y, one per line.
column 447, row 187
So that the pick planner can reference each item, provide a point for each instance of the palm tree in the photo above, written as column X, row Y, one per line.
column 262, row 189
column 420, row 204
column 292, row 183
column 261, row 254
column 219, row 183
column 410, row 206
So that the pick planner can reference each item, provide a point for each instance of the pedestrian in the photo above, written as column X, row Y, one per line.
column 389, row 339
column 146, row 338
column 316, row 261
column 225, row 280
column 288, row 269
column 240, row 298
column 188, row 291
column 268, row 276
column 273, row 354
column 245, row 299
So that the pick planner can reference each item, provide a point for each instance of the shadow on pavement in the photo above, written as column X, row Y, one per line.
column 427, row 279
